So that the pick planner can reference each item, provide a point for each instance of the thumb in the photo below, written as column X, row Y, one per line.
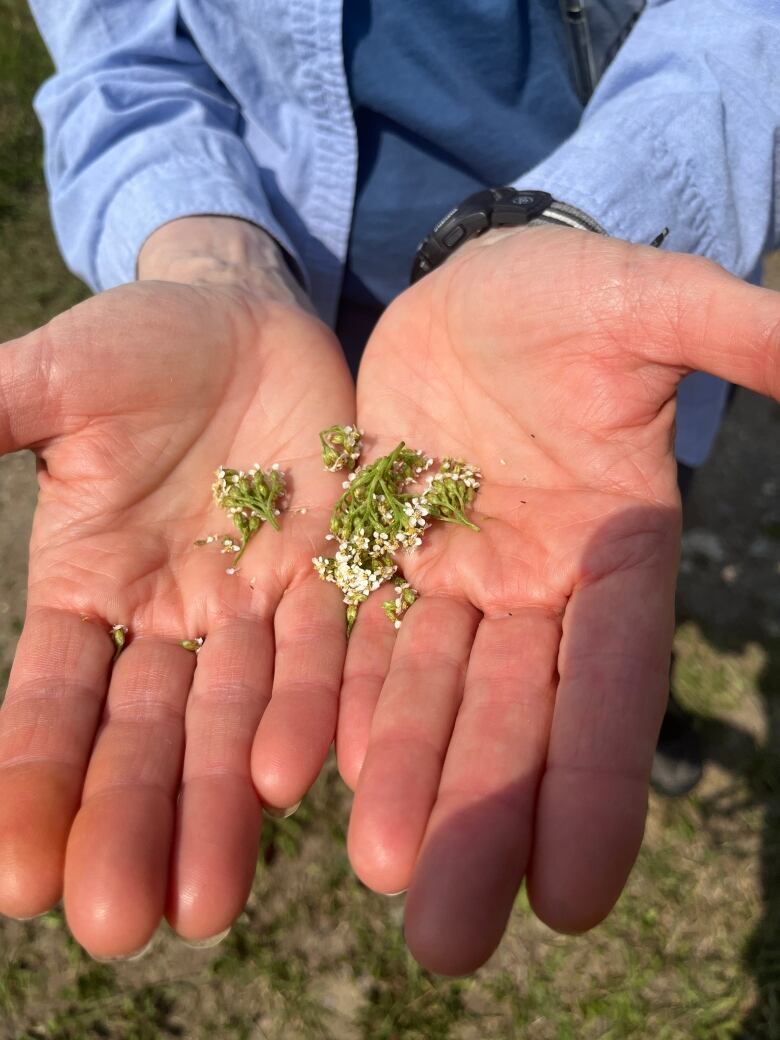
column 713, row 322
column 29, row 408
column 81, row 364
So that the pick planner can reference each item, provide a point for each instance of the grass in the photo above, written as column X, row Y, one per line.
column 40, row 285
column 691, row 951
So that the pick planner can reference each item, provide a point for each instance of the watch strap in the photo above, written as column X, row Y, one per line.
column 564, row 214
column 494, row 208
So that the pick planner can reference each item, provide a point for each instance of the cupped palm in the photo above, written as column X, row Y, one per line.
column 133, row 780
column 508, row 731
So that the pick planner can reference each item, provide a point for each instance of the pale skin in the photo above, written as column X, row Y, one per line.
column 135, row 792
column 506, row 731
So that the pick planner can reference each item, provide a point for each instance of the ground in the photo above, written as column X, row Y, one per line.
column 693, row 947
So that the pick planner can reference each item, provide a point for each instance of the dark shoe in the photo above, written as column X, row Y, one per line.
column 678, row 762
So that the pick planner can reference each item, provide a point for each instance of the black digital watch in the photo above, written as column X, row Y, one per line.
column 493, row 208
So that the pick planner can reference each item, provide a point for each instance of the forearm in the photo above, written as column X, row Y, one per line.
column 217, row 250
column 139, row 132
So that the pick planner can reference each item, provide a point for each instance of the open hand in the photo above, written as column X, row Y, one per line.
column 508, row 730
column 130, row 784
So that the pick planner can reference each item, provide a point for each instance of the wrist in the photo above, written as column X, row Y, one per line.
column 215, row 250
column 505, row 208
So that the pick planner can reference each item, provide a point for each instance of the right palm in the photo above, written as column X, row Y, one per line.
column 143, row 798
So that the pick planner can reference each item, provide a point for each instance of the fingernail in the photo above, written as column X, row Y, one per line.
column 135, row 956
column 280, row 814
column 205, row 944
column 392, row 895
column 32, row 917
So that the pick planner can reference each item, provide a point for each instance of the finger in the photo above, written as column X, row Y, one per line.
column 218, row 813
column 369, row 651
column 47, row 725
column 116, row 867
column 718, row 323
column 478, row 840
column 299, row 724
column 409, row 737
column 614, row 675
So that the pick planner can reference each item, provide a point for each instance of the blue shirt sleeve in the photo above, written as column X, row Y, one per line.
column 138, row 131
column 683, row 130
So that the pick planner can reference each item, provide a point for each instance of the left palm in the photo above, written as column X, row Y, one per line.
column 128, row 787
column 518, row 714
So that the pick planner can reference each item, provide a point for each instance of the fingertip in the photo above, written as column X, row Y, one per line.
column 288, row 752
column 381, row 863
column 27, row 893
column 94, row 926
column 214, row 856
column 465, row 884
column 133, row 955
column 34, row 822
column 349, row 760
column 114, row 891
column 282, row 814
column 208, row 942
column 570, row 908
column 582, row 859
column 438, row 957
column 278, row 786
column 563, row 915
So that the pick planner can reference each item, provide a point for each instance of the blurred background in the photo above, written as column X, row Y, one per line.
column 693, row 947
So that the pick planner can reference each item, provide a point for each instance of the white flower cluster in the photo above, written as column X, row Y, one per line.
column 456, row 469
column 416, row 513
column 356, row 571
column 396, row 608
column 341, row 447
column 230, row 483
column 227, row 542
column 450, row 490
column 249, row 498
column 377, row 516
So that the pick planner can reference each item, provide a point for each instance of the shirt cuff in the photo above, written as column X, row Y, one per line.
column 624, row 176
column 167, row 191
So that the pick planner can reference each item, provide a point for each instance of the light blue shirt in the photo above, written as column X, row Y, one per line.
column 160, row 109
